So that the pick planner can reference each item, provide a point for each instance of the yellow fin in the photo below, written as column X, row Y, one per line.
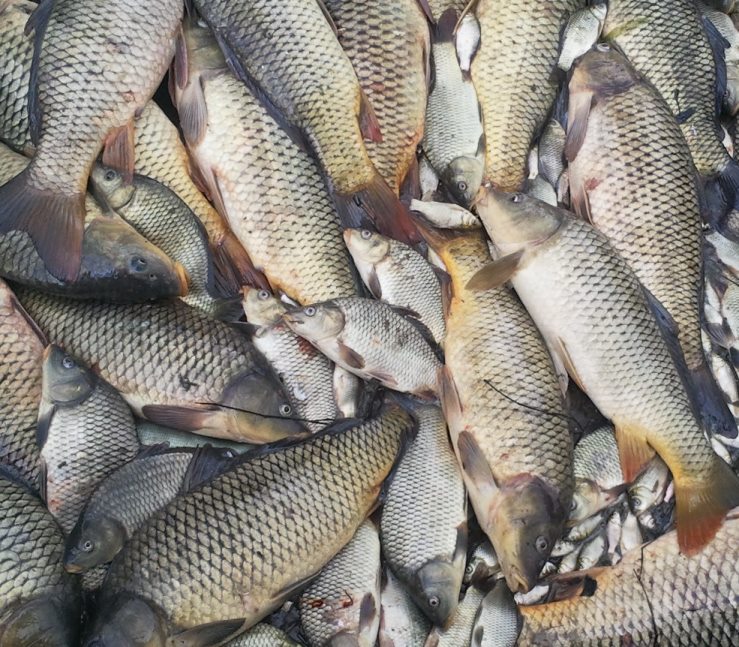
column 633, row 450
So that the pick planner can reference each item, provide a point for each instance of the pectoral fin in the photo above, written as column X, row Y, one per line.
column 495, row 274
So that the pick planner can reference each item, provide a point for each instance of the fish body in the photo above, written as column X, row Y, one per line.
column 270, row 191
column 589, row 306
column 20, row 387
column 453, row 141
column 262, row 635
column 551, row 150
column 503, row 404
column 399, row 275
column 519, row 45
column 482, row 564
column 725, row 26
column 86, row 431
column 458, row 633
column 342, row 605
column 172, row 364
column 387, row 42
column 371, row 340
column 401, row 622
column 283, row 514
column 424, row 519
column 581, row 32
column 151, row 434
column 305, row 373
column 96, row 66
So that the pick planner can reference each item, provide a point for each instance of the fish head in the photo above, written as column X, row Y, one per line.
column 42, row 622
column 498, row 620
column 463, row 178
column 109, row 187
column 603, row 72
column 316, row 322
column 366, row 247
column 127, row 621
column 261, row 307
column 516, row 221
column 587, row 499
column 115, row 255
column 482, row 564
column 92, row 542
column 527, row 520
column 436, row 590
column 64, row 380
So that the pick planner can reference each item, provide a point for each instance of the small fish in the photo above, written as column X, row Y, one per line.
column 458, row 632
column 482, row 564
column 401, row 622
column 648, row 489
column 725, row 26
column 551, row 150
column 446, row 215
column 151, row 434
column 399, row 275
column 342, row 605
column 496, row 623
column 372, row 340
column 467, row 40
column 262, row 635
column 582, row 31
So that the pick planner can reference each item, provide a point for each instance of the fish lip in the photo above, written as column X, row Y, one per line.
column 517, row 583
column 183, row 279
column 293, row 318
column 71, row 567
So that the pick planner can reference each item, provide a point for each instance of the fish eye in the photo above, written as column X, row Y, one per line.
column 285, row 409
column 433, row 601
column 68, row 362
column 636, row 501
column 461, row 186
column 517, row 197
column 542, row 544
column 263, row 295
column 138, row 264
column 603, row 47
column 469, row 569
column 87, row 546
column 366, row 234
column 573, row 505
column 110, row 175
column 309, row 311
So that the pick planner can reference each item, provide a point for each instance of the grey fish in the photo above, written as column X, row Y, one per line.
column 151, row 434
column 401, row 622
column 580, row 34
column 262, row 635
column 482, row 564
column 458, row 632
column 495, row 624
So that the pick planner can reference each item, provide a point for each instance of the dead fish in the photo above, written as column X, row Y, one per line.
column 482, row 564
column 262, row 635
column 151, row 434
column 401, row 622
column 458, row 632
column 467, row 40
column 582, row 31
column 446, row 215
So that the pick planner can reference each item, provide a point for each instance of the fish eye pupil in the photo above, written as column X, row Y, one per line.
column 68, row 362
column 636, row 501
column 310, row 311
column 603, row 47
column 542, row 544
column 110, row 175
column 462, row 186
column 433, row 601
column 87, row 546
column 263, row 294
column 285, row 409
column 517, row 197
column 366, row 234
column 573, row 505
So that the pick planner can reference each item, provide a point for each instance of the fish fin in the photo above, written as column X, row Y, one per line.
column 118, row 151
column 373, row 283
column 224, row 280
column 55, row 223
column 445, row 281
column 577, row 122
column 45, row 416
column 495, row 274
column 449, row 398
column 207, row 463
column 329, row 17
column 290, row 590
column 580, row 201
column 447, row 23
column 405, row 312
column 474, row 464
column 180, row 65
column 719, row 45
column 16, row 306
column 701, row 507
column 564, row 356
column 37, row 23
column 147, row 451
column 634, row 451
column 350, row 357
column 713, row 411
column 425, row 7
column 382, row 376
column 42, row 475
column 721, row 333
column 720, row 196
column 214, row 633
column 368, row 123
column 367, row 613
column 193, row 113
column 377, row 207
column 186, row 418
column 410, row 187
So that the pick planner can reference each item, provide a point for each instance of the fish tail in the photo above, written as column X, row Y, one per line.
column 721, row 196
column 701, row 507
column 377, row 207
column 55, row 223
column 712, row 410
column 232, row 268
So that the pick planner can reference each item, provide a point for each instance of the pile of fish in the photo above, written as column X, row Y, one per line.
column 410, row 323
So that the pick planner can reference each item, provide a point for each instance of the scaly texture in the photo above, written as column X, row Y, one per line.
column 459, row 631
column 343, row 602
column 16, row 50
column 262, row 635
column 242, row 541
column 438, row 7
column 668, row 45
column 387, row 42
column 653, row 596
column 401, row 622
column 519, row 44
column 596, row 458
column 20, row 388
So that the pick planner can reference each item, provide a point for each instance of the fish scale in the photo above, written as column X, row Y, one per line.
column 519, row 45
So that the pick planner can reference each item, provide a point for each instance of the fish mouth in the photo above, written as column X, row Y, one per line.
column 71, row 567
column 517, row 583
column 183, row 279
column 293, row 318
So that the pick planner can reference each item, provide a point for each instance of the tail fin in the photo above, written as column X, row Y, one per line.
column 701, row 507
column 232, row 268
column 711, row 406
column 376, row 206
column 721, row 197
column 54, row 222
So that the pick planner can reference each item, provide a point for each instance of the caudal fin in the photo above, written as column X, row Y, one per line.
column 701, row 507
column 377, row 207
column 712, row 410
column 55, row 223
column 721, row 197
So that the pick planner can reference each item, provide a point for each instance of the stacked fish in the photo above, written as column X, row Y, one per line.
column 356, row 322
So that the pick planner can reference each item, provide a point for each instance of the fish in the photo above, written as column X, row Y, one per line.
column 342, row 604
column 584, row 529
column 467, row 40
column 172, row 364
column 453, row 141
column 725, row 26
column 40, row 602
column 599, row 480
column 312, row 87
column 20, row 387
column 85, row 432
column 388, row 45
column 423, row 527
column 399, row 275
column 117, row 262
column 74, row 44
column 161, row 156
column 619, row 126
column 458, row 633
column 497, row 623
column 650, row 36
column 16, row 53
column 129, row 495
column 625, row 367
column 372, row 340
column 582, row 31
column 482, row 564
column 401, row 622
column 446, row 215
column 551, row 151
column 163, row 218
column 270, row 191
column 438, row 7
column 651, row 595
column 305, row 373
column 540, row 189
column 284, row 514
column 262, row 635
column 151, row 434
column 648, row 490
column 512, row 73
column 504, row 408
